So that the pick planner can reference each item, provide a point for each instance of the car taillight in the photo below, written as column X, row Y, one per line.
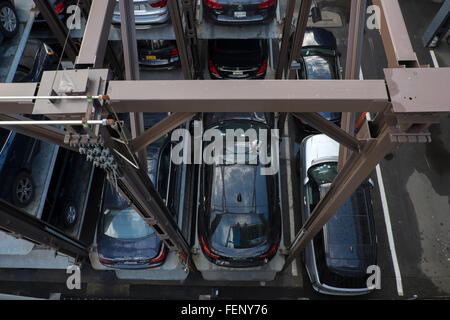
column 208, row 252
column 263, row 68
column 160, row 257
column 159, row 4
column 271, row 251
column 266, row 4
column 174, row 52
column 212, row 68
column 213, row 4
column 59, row 7
column 105, row 260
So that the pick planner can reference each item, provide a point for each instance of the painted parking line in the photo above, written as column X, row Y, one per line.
column 387, row 218
column 433, row 57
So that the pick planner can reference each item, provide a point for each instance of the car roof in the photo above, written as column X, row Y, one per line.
column 319, row 148
column 319, row 37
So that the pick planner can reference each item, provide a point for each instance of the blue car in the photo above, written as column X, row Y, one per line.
column 124, row 240
column 319, row 60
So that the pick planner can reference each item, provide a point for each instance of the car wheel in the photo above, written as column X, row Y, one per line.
column 70, row 214
column 23, row 189
column 9, row 23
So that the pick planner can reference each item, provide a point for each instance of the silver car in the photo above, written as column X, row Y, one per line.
column 146, row 12
column 338, row 257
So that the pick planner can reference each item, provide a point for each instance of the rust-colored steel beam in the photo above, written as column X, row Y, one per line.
column 396, row 42
column 251, row 96
column 302, row 21
column 284, row 50
column 158, row 130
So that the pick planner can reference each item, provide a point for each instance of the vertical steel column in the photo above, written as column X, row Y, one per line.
column 58, row 28
column 135, row 185
column 130, row 55
column 95, row 38
column 352, row 66
column 302, row 21
column 284, row 50
column 188, row 9
column 353, row 173
column 179, row 35
column 396, row 42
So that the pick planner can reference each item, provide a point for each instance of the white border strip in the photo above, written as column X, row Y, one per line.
column 387, row 219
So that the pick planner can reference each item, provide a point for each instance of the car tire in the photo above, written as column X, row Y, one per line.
column 9, row 22
column 23, row 189
column 70, row 214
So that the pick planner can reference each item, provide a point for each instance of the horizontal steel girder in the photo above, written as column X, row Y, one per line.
column 248, row 96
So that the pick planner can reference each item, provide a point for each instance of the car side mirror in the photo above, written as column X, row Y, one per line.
column 371, row 183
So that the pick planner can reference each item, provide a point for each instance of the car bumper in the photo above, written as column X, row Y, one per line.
column 166, row 64
column 216, row 17
column 157, row 17
column 329, row 290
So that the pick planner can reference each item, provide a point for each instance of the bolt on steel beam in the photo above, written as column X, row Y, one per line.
column 302, row 21
column 158, row 130
column 58, row 28
column 16, row 221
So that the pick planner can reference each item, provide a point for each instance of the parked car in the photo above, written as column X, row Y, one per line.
column 66, row 198
column 37, row 57
column 60, row 7
column 9, row 22
column 124, row 240
column 319, row 59
column 237, row 58
column 146, row 12
column 337, row 259
column 237, row 12
column 18, row 151
column 239, row 217
column 158, row 54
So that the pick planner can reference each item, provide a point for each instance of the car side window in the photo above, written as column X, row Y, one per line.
column 163, row 171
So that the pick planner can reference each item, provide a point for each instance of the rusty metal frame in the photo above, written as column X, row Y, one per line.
column 284, row 50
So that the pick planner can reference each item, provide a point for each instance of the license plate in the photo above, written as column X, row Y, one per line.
column 158, row 62
column 238, row 73
column 240, row 14
column 150, row 57
column 139, row 7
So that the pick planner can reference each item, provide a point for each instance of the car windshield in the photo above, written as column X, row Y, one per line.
column 319, row 68
column 323, row 173
column 125, row 224
column 239, row 231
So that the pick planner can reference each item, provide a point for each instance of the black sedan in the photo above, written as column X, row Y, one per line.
column 17, row 151
column 239, row 219
column 237, row 58
column 158, row 54
column 236, row 12
column 319, row 60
